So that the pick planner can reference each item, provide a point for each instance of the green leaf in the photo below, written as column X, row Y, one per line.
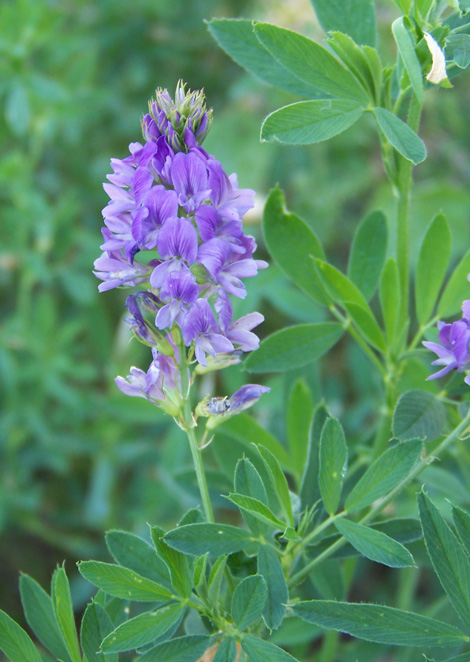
column 309, row 489
column 245, row 428
column 63, row 610
column 333, row 462
column 390, row 298
column 384, row 474
column 291, row 242
column 309, row 61
column 432, row 264
column 355, row 18
column 212, row 539
column 462, row 524
column 247, row 481
column 375, row 545
column 307, row 122
column 338, row 286
column 367, row 324
column 270, row 568
column 403, row 530
column 238, row 39
column 18, row 109
column 37, row 606
column 299, row 420
column 357, row 62
column 248, row 601
column 407, row 51
column 418, row 414
column 96, row 625
column 122, row 582
column 14, row 641
column 259, row 650
column 279, row 483
column 137, row 554
column 368, row 253
column 379, row 624
column 142, row 629
column 294, row 347
column 456, row 290
column 449, row 560
column 181, row 649
column 457, row 50
column 401, row 136
column 215, row 579
column 176, row 563
column 256, row 509
column 227, row 651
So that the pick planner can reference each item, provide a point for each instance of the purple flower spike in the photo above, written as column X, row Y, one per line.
column 200, row 325
column 239, row 333
column 453, row 346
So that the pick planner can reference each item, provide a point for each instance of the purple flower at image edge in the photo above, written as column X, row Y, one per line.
column 452, row 349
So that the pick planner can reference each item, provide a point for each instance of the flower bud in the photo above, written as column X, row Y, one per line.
column 185, row 121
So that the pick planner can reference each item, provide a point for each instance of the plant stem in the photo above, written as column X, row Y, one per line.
column 375, row 510
column 404, row 183
column 189, row 427
column 347, row 323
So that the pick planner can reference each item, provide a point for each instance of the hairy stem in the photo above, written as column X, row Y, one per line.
column 189, row 427
column 404, row 183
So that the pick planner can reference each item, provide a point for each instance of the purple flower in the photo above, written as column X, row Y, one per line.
column 177, row 245
column 453, row 346
column 246, row 396
column 190, row 178
column 179, row 291
column 227, row 268
column 159, row 205
column 160, row 385
column 239, row 332
column 220, row 409
column 142, row 384
column 200, row 325
column 135, row 303
column 115, row 270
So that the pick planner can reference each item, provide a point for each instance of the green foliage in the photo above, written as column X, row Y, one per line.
column 380, row 624
column 333, row 461
column 368, row 253
column 432, row 265
column 309, row 122
column 400, row 135
column 384, row 474
column 354, row 18
column 418, row 414
column 375, row 545
column 248, row 601
column 294, row 347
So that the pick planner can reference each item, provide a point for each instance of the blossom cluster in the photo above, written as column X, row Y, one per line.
column 452, row 349
column 172, row 204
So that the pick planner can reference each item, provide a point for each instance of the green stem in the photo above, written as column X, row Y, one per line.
column 189, row 427
column 347, row 323
column 404, row 183
column 419, row 468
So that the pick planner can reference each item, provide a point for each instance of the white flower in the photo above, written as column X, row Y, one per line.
column 438, row 71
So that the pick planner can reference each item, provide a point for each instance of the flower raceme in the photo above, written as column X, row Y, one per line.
column 172, row 201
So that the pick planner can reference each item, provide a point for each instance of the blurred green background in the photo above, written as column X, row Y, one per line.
column 76, row 456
